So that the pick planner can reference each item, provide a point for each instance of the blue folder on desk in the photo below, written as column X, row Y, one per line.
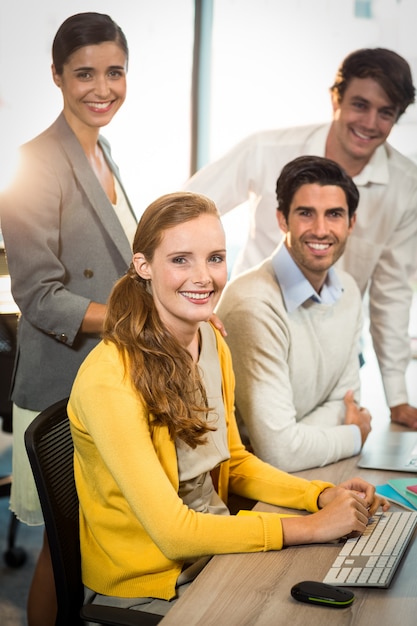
column 393, row 496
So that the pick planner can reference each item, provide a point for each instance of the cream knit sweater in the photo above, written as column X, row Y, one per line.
column 292, row 370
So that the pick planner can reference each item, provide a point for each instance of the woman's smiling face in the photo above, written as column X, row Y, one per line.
column 93, row 84
column 188, row 271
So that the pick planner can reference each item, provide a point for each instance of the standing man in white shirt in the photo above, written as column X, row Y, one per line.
column 294, row 324
column 372, row 89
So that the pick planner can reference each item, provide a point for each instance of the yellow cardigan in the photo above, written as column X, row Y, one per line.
column 135, row 531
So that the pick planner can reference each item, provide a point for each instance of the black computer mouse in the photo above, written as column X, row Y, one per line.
column 322, row 594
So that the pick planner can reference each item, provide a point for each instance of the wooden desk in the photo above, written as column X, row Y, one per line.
column 254, row 589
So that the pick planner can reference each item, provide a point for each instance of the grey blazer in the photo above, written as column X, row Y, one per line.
column 65, row 248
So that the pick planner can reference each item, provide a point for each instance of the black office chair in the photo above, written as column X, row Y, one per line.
column 50, row 449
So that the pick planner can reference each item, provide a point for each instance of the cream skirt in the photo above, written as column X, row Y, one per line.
column 24, row 500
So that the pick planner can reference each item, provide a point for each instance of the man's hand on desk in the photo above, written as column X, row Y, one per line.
column 357, row 415
column 345, row 509
column 404, row 414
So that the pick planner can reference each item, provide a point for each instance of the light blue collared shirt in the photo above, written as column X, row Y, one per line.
column 295, row 287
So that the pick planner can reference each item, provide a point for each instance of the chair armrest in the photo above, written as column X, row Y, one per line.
column 116, row 616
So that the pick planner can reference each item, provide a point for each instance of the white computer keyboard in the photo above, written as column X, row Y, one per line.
column 372, row 559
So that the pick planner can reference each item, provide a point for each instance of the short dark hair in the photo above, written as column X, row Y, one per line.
column 308, row 170
column 85, row 29
column 386, row 67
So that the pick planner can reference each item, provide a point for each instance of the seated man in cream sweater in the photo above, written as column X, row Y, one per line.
column 293, row 326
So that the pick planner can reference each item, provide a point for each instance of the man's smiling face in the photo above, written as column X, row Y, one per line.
column 317, row 229
column 362, row 121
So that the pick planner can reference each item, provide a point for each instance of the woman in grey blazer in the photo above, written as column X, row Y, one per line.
column 67, row 226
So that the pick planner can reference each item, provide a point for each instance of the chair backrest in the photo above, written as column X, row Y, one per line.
column 8, row 331
column 50, row 449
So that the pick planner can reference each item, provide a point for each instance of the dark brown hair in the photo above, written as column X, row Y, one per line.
column 85, row 29
column 307, row 170
column 386, row 67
